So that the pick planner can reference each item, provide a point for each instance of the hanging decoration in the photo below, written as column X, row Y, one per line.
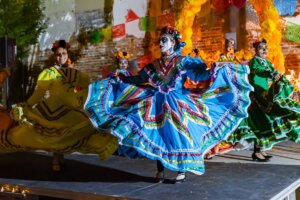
column 118, row 31
column 96, row 36
column 285, row 7
column 166, row 20
column 292, row 32
column 222, row 5
column 270, row 30
column 107, row 33
column 131, row 16
column 148, row 23
column 185, row 21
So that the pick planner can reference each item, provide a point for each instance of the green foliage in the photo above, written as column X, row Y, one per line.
column 23, row 20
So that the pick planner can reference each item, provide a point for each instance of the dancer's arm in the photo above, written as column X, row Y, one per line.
column 140, row 79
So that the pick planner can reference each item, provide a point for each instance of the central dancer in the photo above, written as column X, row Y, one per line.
column 168, row 112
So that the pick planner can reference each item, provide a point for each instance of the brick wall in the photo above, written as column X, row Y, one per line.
column 212, row 39
column 94, row 56
column 103, row 54
column 291, row 52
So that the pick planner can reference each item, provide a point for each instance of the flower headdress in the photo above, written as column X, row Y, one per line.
column 257, row 42
column 175, row 35
column 60, row 43
column 123, row 54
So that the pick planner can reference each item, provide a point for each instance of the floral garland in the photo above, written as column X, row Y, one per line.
column 185, row 21
column 270, row 30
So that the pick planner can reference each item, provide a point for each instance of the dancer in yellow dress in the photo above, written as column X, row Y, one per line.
column 6, row 121
column 53, row 118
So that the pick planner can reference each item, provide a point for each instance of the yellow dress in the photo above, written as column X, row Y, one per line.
column 53, row 118
column 5, row 119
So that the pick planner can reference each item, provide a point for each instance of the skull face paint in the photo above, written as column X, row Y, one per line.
column 166, row 44
column 262, row 50
column 123, row 63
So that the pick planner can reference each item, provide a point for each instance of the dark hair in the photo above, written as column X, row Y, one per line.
column 60, row 43
column 196, row 51
column 175, row 35
column 255, row 44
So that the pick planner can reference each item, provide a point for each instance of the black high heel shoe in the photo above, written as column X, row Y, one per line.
column 259, row 157
column 180, row 178
column 58, row 162
column 266, row 155
column 160, row 176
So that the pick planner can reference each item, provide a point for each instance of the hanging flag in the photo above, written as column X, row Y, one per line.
column 148, row 23
column 106, row 32
column 298, row 8
column 285, row 7
column 222, row 5
column 131, row 15
column 239, row 3
column 96, row 36
column 166, row 20
column 118, row 31
column 129, row 12
column 292, row 32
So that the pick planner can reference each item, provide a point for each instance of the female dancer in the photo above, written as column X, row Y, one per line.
column 273, row 115
column 123, row 65
column 6, row 121
column 156, row 115
column 4, row 74
column 53, row 118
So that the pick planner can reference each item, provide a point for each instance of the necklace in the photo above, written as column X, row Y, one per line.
column 167, row 59
column 166, row 64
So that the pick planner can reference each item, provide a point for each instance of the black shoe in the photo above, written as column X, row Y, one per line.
column 58, row 162
column 160, row 176
column 266, row 155
column 180, row 178
column 259, row 157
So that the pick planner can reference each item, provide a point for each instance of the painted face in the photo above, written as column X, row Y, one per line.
column 262, row 50
column 61, row 55
column 123, row 63
column 166, row 44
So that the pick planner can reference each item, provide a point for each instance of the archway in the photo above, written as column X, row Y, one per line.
column 269, row 22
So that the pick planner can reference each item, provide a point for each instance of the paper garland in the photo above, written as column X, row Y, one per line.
column 292, row 32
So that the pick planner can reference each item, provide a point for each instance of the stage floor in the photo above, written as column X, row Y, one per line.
column 232, row 176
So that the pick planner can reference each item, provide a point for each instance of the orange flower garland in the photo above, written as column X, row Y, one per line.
column 185, row 21
column 270, row 30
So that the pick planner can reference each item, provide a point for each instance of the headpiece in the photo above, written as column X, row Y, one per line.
column 123, row 54
column 257, row 42
column 60, row 43
column 175, row 35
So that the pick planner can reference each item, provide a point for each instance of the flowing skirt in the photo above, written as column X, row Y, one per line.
column 177, row 127
column 273, row 118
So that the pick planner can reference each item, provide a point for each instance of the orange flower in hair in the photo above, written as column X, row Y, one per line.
column 123, row 54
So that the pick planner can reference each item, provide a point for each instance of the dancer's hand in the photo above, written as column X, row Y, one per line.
column 277, row 77
column 121, row 76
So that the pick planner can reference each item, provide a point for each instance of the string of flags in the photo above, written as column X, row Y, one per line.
column 144, row 24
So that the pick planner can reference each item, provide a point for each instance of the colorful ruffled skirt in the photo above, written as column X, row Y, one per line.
column 176, row 127
column 273, row 117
